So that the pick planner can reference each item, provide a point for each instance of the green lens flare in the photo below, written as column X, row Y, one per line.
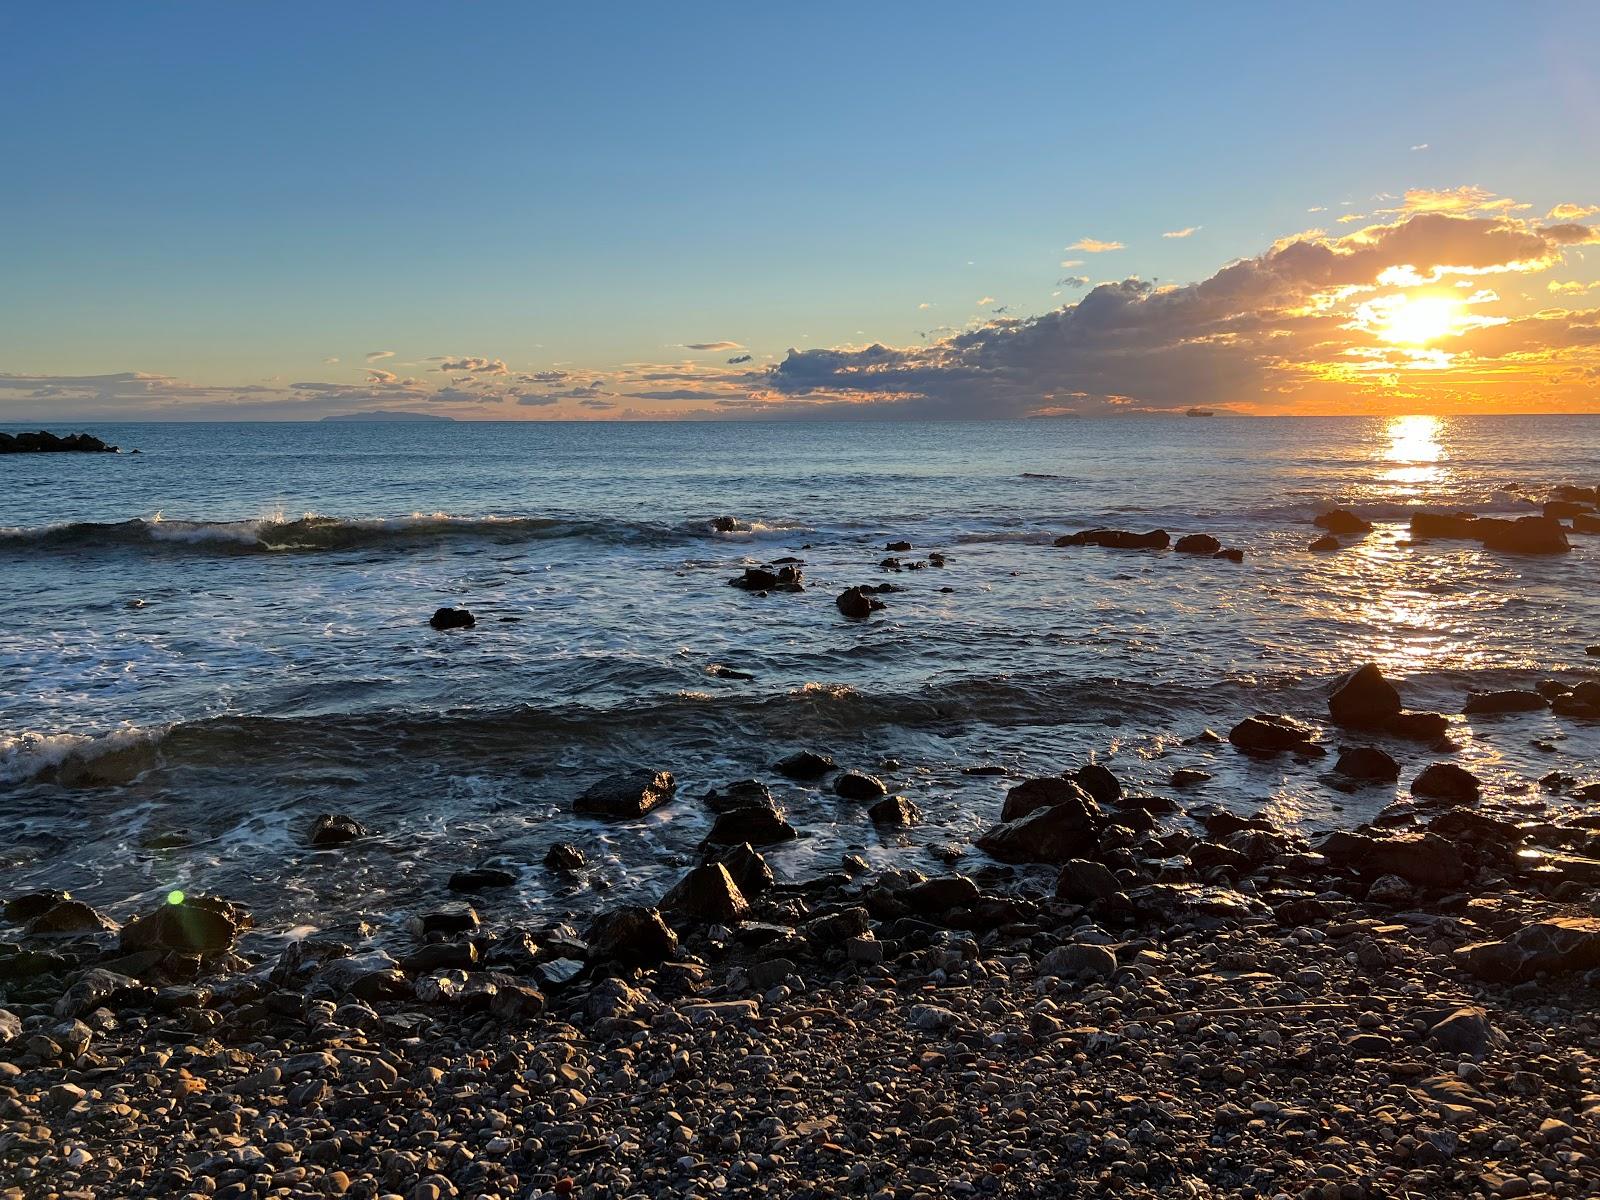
column 174, row 897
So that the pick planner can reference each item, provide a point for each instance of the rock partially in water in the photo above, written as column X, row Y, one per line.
column 1267, row 734
column 759, row 825
column 1342, row 521
column 1417, row 726
column 564, row 856
column 1197, row 543
column 1099, row 782
column 1525, row 535
column 1117, row 539
column 895, row 812
column 69, row 918
column 482, row 879
column 452, row 618
column 19, row 910
column 1044, row 791
column 626, row 795
column 45, row 442
column 1448, row 782
column 633, row 935
column 748, row 868
column 1052, row 834
column 804, row 765
column 743, row 793
column 786, row 578
column 195, row 925
column 856, row 604
column 1367, row 762
column 450, row 919
column 1364, row 698
column 855, row 785
column 708, row 893
column 1326, row 542
column 334, row 829
column 1508, row 701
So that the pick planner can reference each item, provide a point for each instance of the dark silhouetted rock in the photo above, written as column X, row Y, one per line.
column 1525, row 535
column 1053, row 834
column 1099, row 782
column 335, row 829
column 895, row 811
column 197, row 925
column 1186, row 777
column 940, row 894
column 1117, row 539
column 1444, row 526
column 804, row 764
column 44, row 442
column 1267, row 734
column 633, row 935
column 1084, row 881
column 898, row 547
column 708, row 893
column 453, row 917
column 853, row 785
column 1505, row 702
column 757, row 824
column 1424, row 859
column 743, row 793
column 1417, row 726
column 1326, row 542
column 19, row 910
column 1363, row 698
column 748, row 868
column 1079, row 960
column 626, row 795
column 1446, row 781
column 1033, row 794
column 1342, row 521
column 564, row 856
column 452, row 618
column 1367, row 762
column 68, row 917
column 857, row 604
column 787, row 578
column 1231, row 554
column 482, row 879
column 1197, row 543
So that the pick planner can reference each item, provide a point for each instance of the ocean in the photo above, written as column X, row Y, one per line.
column 207, row 644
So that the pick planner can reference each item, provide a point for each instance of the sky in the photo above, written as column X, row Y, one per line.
column 512, row 211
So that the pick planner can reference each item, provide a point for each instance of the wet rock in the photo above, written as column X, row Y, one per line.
column 898, row 547
column 1560, row 944
column 633, row 935
column 1231, row 554
column 452, row 618
column 857, row 604
column 895, row 812
column 564, row 856
column 757, row 825
column 1099, row 782
column 1510, row 701
column 1525, row 535
column 441, row 956
column 370, row 975
column 481, row 879
column 1444, row 526
column 1172, row 904
column 1267, row 734
column 67, row 918
column 1053, row 834
column 1448, row 782
column 1197, row 543
column 1367, row 762
column 1079, row 961
column 334, row 829
column 1363, row 698
column 626, row 795
column 1326, row 542
column 1187, row 777
column 1424, row 859
column 1117, row 539
column 1044, row 791
column 853, row 785
column 1083, row 881
column 197, row 925
column 452, row 918
column 745, row 793
column 708, row 893
column 99, row 988
column 1342, row 521
column 725, row 524
column 804, row 765
column 940, row 894
column 787, row 578
column 19, row 910
column 1417, row 726
column 748, row 869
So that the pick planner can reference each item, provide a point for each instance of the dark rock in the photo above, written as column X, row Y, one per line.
column 757, row 825
column 1342, row 521
column 564, row 856
column 68, row 917
column 708, row 893
column 1586, row 523
column 1509, row 701
column 1197, row 543
column 745, row 793
column 1446, row 781
column 633, row 935
column 1117, row 539
column 1364, row 698
column 1467, row 1031
column 1268, row 734
column 451, row 918
column 479, row 879
column 1367, row 762
column 335, row 829
column 19, row 910
column 99, row 988
column 804, row 764
column 1558, row 945
column 1043, row 792
column 44, row 442
column 196, row 925
column 1326, row 542
column 1099, row 782
column 1083, row 881
column 856, row 604
column 1079, row 960
column 1465, row 825
column 748, row 869
column 1230, row 554
column 1556, row 509
column 940, row 894
column 1185, row 777
column 1053, row 834
column 787, row 578
column 441, row 956
column 895, row 812
column 1525, row 535
column 1424, row 859
column 725, row 524
column 452, row 618
column 1417, row 726
column 853, row 785
column 898, row 547
column 626, row 795
column 1444, row 526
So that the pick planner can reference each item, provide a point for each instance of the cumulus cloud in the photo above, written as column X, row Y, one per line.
column 1091, row 245
column 1187, row 231
column 474, row 366
column 1572, row 212
column 1571, row 287
column 712, row 346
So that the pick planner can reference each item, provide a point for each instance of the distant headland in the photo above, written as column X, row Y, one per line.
column 381, row 414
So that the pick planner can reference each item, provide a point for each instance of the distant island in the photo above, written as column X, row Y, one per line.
column 384, row 414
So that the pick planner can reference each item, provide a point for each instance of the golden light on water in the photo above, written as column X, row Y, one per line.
column 1415, row 452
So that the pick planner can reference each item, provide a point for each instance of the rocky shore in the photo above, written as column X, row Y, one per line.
column 1112, row 993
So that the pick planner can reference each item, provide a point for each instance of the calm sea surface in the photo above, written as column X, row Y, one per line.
column 204, row 645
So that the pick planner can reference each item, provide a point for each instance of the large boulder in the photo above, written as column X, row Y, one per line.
column 857, row 604
column 1444, row 526
column 1053, row 834
column 804, row 764
column 1079, row 960
column 856, row 785
column 1557, row 945
column 1509, row 701
column 1417, row 726
column 748, row 869
column 452, row 618
column 1424, row 859
column 1367, row 762
column 1525, row 535
column 626, row 795
column 1099, row 782
column 1364, row 698
column 708, row 893
column 1044, row 792
column 1084, row 881
column 186, row 925
column 1448, row 782
column 895, row 812
column 756, row 824
column 1197, row 543
column 633, row 935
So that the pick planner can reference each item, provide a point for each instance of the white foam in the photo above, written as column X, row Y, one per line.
column 25, row 755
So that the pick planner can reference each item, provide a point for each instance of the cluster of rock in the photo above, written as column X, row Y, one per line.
column 44, row 442
column 781, row 575
column 1200, row 544
column 1519, row 535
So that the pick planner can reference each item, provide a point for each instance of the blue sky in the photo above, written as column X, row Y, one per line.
column 230, row 195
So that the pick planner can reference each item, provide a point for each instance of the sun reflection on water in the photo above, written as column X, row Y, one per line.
column 1415, row 453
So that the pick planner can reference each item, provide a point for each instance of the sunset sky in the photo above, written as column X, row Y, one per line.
column 508, row 211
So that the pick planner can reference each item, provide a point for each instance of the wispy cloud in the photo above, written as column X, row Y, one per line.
column 474, row 366
column 1091, row 245
column 375, row 355
column 1189, row 231
column 1420, row 146
column 1572, row 212
column 712, row 346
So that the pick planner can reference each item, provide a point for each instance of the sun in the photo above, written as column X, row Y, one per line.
column 1418, row 320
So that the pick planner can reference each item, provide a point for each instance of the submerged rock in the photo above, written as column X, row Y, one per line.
column 1117, row 539
column 626, row 795
column 1364, row 698
column 857, row 604
column 1342, row 520
column 1509, row 701
column 1197, row 543
column 452, row 618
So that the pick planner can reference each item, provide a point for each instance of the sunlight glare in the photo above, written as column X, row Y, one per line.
column 1418, row 320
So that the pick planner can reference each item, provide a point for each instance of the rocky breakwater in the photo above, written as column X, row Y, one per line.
column 1115, row 993
column 44, row 442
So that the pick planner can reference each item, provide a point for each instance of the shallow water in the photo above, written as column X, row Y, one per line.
column 226, row 634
